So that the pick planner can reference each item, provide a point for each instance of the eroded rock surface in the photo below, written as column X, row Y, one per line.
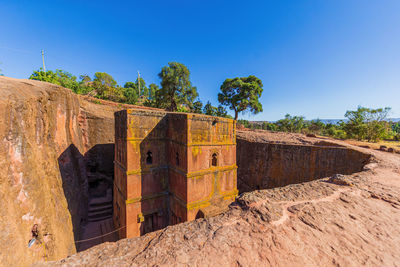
column 47, row 133
column 264, row 161
column 316, row 223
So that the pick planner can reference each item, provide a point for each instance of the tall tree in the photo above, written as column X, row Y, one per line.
column 210, row 109
column 197, row 107
column 102, row 82
column 366, row 123
column 106, row 87
column 153, row 88
column 151, row 101
column 221, row 112
column 240, row 94
column 142, row 89
column 131, row 92
column 60, row 77
column 85, row 79
column 176, row 88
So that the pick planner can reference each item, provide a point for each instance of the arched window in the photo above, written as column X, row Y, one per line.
column 199, row 214
column 149, row 159
column 214, row 160
column 177, row 159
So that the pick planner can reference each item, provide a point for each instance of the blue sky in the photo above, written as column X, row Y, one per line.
column 316, row 58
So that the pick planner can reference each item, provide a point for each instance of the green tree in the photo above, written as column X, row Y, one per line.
column 106, row 87
column 59, row 77
column 153, row 88
column 210, row 109
column 240, row 94
column 143, row 91
column 131, row 93
column 197, row 107
column 316, row 126
column 45, row 76
column 176, row 88
column 67, row 80
column 85, row 79
column 102, row 83
column 151, row 101
column 221, row 112
column 291, row 124
column 245, row 123
column 84, row 84
column 396, row 127
column 366, row 123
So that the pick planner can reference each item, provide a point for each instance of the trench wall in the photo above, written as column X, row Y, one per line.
column 51, row 140
column 267, row 165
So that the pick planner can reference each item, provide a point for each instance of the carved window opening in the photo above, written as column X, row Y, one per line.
column 199, row 214
column 149, row 159
column 214, row 160
column 177, row 159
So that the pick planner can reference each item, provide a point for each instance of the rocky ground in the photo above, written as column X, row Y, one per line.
column 351, row 220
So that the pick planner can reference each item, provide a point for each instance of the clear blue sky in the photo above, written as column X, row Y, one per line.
column 316, row 58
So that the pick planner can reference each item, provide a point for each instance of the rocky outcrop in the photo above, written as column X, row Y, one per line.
column 263, row 163
column 317, row 223
column 49, row 137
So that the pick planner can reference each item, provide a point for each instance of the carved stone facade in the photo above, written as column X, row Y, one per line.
column 171, row 168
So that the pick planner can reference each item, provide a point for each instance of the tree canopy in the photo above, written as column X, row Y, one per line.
column 59, row 77
column 131, row 93
column 177, row 92
column 367, row 123
column 210, row 109
column 240, row 94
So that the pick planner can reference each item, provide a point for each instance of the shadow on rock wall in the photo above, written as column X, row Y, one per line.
column 84, row 177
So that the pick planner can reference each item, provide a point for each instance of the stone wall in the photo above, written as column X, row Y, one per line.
column 264, row 165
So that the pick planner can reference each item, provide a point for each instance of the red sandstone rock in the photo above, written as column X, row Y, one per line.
column 171, row 168
column 340, row 180
column 309, row 224
column 47, row 133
